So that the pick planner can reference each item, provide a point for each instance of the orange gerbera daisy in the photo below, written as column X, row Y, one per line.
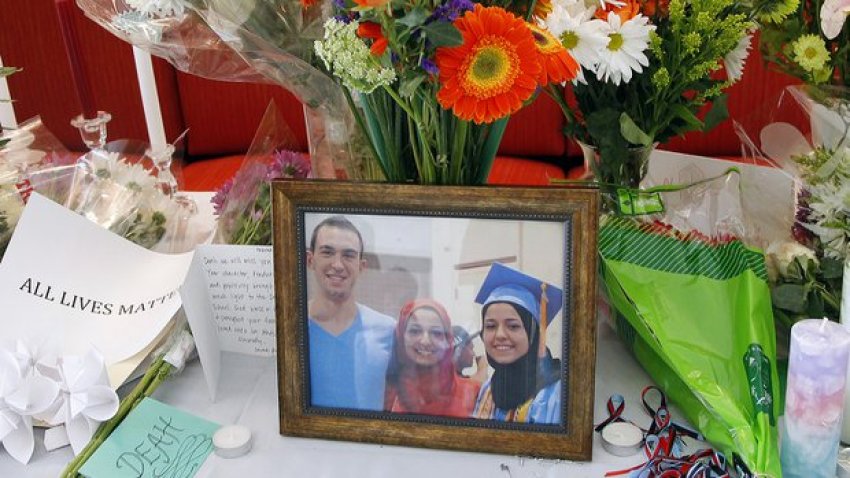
column 494, row 71
column 558, row 65
column 373, row 31
column 628, row 11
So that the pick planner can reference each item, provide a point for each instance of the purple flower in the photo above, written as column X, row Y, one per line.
column 451, row 10
column 288, row 164
column 221, row 196
column 339, row 4
column 429, row 66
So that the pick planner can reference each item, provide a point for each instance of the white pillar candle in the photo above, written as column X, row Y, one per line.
column 232, row 441
column 150, row 99
column 7, row 110
column 621, row 438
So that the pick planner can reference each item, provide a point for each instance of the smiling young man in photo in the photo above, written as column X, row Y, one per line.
column 349, row 343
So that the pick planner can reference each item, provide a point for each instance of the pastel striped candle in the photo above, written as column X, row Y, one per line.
column 814, row 403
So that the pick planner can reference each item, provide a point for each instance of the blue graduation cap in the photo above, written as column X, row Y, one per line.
column 505, row 284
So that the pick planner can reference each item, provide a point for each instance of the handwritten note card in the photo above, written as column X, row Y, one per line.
column 241, row 288
column 155, row 440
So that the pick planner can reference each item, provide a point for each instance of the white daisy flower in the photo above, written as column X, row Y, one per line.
column 103, row 163
column 132, row 176
column 734, row 61
column 156, row 201
column 581, row 35
column 158, row 8
column 625, row 50
column 830, row 205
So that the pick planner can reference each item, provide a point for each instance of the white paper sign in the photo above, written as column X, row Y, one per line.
column 241, row 291
column 67, row 280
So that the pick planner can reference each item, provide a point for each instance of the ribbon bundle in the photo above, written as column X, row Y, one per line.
column 664, row 446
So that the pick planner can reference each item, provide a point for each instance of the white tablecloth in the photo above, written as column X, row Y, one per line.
column 248, row 395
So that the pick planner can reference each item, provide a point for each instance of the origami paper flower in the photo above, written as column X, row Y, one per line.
column 22, row 395
column 86, row 399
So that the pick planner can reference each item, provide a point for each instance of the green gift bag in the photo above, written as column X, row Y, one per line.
column 696, row 313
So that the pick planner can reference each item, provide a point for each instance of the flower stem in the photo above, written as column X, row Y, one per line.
column 153, row 377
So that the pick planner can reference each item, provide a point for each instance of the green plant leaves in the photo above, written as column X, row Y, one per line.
column 414, row 18
column 409, row 84
column 790, row 297
column 717, row 113
column 442, row 34
column 632, row 132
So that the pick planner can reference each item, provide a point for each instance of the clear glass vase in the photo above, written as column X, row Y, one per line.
column 627, row 170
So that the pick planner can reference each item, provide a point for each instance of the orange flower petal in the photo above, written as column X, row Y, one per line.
column 493, row 71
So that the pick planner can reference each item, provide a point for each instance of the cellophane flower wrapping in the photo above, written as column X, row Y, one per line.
column 257, row 41
column 243, row 203
column 32, row 160
column 689, row 296
column 116, row 188
column 807, row 136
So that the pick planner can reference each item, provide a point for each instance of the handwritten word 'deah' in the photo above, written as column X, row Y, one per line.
column 74, row 301
column 165, row 453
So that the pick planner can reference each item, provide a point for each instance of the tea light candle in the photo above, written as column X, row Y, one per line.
column 817, row 371
column 621, row 438
column 232, row 441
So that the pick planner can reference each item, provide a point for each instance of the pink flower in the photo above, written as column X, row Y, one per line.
column 221, row 196
column 288, row 164
column 833, row 14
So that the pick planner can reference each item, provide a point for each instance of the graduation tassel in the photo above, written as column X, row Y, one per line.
column 544, row 320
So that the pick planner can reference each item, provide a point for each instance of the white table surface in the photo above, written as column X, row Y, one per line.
column 247, row 395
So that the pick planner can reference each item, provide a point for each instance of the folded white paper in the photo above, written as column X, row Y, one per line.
column 74, row 285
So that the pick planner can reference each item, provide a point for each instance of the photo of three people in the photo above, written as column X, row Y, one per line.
column 436, row 316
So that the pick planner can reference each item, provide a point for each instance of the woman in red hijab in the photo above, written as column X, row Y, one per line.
column 421, row 376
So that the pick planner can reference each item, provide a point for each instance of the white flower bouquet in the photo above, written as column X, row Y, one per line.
column 808, row 266
column 648, row 67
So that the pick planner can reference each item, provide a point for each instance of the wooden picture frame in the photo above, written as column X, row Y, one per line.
column 398, row 223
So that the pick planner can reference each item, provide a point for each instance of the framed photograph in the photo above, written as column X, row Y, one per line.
column 437, row 316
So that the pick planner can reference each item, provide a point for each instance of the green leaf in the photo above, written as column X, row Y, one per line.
column 442, row 34
column 632, row 132
column 7, row 70
column 717, row 114
column 414, row 18
column 685, row 114
column 410, row 84
column 790, row 297
column 831, row 268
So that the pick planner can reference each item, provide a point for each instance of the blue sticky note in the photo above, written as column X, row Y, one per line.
column 154, row 440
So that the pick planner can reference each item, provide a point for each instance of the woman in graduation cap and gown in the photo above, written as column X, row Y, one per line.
column 525, row 386
column 421, row 376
